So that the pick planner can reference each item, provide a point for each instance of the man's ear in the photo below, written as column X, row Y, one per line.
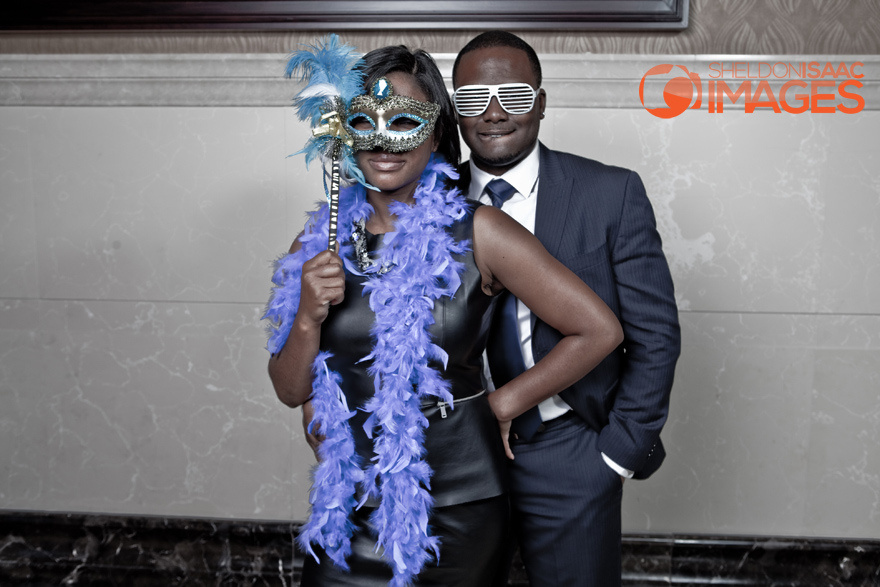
column 542, row 102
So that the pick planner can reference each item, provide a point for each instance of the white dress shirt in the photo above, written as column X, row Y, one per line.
column 522, row 207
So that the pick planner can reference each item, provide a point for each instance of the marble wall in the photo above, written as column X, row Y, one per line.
column 143, row 202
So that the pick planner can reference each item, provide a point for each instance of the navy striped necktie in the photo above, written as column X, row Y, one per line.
column 499, row 191
column 505, row 350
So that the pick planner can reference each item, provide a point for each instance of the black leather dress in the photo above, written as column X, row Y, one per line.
column 463, row 445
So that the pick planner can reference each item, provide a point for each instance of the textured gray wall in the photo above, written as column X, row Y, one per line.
column 135, row 243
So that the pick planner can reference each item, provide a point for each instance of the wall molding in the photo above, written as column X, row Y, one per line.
column 255, row 80
column 83, row 549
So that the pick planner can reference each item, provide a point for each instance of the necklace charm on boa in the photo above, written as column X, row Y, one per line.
column 421, row 269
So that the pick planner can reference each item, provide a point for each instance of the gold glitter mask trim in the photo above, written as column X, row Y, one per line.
column 394, row 123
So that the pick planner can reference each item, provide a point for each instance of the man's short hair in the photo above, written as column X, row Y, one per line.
column 500, row 39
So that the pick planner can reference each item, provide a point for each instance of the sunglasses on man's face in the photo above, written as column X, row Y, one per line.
column 514, row 98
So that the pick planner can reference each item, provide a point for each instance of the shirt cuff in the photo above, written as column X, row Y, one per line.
column 617, row 468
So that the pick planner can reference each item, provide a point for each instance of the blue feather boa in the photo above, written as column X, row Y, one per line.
column 420, row 253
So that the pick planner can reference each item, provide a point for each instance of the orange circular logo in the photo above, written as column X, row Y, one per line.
column 679, row 92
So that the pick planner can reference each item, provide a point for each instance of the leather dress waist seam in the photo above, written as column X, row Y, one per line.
column 442, row 405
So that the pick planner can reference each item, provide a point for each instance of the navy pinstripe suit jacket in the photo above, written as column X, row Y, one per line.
column 597, row 220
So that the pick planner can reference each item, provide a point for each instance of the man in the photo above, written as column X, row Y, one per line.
column 569, row 467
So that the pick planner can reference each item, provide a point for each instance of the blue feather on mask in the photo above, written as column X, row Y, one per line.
column 333, row 77
column 330, row 70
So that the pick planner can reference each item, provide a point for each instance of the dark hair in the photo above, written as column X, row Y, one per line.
column 500, row 39
column 421, row 66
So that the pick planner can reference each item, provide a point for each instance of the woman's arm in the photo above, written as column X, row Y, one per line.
column 323, row 285
column 510, row 257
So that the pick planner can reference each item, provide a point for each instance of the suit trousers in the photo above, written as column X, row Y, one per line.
column 566, row 507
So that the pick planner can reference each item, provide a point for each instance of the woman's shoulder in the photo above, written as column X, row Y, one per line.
column 489, row 219
column 297, row 243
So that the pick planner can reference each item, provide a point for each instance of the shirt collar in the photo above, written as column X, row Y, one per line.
column 523, row 176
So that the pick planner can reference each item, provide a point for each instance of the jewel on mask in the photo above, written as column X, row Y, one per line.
column 382, row 88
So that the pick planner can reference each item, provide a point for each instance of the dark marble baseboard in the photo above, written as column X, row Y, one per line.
column 650, row 561
column 38, row 548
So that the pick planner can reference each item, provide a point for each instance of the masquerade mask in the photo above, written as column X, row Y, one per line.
column 514, row 98
column 394, row 123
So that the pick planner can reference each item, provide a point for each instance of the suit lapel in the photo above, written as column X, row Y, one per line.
column 554, row 193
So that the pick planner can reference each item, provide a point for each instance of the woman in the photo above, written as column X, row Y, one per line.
column 394, row 328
